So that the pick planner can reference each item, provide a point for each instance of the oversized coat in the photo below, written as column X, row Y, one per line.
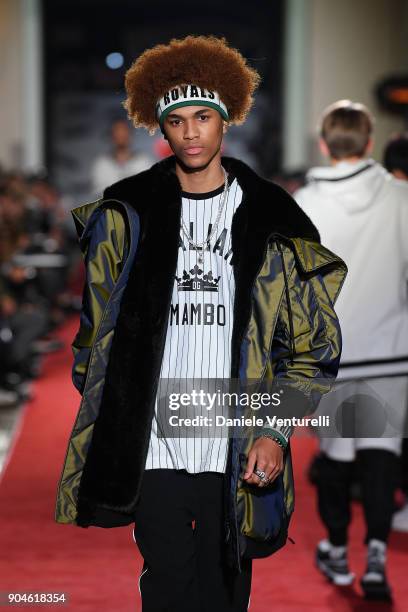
column 285, row 326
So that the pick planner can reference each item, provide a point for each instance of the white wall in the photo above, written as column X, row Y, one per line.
column 11, row 129
column 21, row 85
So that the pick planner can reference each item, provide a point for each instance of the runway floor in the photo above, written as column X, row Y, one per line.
column 98, row 569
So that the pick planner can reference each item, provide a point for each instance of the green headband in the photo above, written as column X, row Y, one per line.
column 189, row 95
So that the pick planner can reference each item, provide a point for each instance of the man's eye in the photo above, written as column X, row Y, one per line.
column 203, row 117
column 175, row 121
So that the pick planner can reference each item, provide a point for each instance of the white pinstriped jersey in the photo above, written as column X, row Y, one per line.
column 198, row 339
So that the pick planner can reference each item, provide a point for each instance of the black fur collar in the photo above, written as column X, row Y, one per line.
column 268, row 205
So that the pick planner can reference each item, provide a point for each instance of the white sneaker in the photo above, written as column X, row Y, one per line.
column 374, row 582
column 332, row 562
column 400, row 519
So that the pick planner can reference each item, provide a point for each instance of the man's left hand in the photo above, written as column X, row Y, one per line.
column 268, row 457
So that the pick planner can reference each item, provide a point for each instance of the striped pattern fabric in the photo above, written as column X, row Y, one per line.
column 198, row 341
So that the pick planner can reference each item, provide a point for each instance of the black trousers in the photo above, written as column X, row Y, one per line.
column 184, row 568
column 377, row 472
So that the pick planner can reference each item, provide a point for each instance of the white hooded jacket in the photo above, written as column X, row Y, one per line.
column 361, row 212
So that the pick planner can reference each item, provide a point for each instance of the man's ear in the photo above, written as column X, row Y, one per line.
column 225, row 127
column 370, row 146
column 323, row 148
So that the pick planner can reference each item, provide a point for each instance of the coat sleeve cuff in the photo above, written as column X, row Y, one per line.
column 281, row 434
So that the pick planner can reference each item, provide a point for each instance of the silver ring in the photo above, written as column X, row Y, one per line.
column 261, row 474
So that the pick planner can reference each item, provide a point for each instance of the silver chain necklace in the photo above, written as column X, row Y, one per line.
column 201, row 245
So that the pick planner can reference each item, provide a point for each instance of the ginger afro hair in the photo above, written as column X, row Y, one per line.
column 206, row 61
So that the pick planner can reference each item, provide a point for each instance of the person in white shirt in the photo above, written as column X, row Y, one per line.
column 120, row 162
column 361, row 212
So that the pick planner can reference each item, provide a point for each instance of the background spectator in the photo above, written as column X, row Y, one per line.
column 120, row 162
column 396, row 156
column 35, row 273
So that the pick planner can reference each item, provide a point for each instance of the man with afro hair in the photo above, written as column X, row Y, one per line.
column 205, row 61
column 197, row 269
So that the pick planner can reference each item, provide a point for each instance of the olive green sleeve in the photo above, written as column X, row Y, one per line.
column 306, row 364
column 102, row 244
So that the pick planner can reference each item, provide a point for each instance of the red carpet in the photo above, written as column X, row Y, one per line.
column 98, row 569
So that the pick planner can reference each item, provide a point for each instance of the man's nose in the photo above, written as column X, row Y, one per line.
column 190, row 130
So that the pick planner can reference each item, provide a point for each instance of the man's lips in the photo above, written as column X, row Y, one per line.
column 193, row 150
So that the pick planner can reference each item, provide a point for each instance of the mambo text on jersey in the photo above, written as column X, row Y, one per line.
column 198, row 314
column 189, row 95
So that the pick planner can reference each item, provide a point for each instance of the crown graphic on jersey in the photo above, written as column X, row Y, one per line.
column 195, row 280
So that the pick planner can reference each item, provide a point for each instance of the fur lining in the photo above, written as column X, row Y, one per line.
column 114, row 466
